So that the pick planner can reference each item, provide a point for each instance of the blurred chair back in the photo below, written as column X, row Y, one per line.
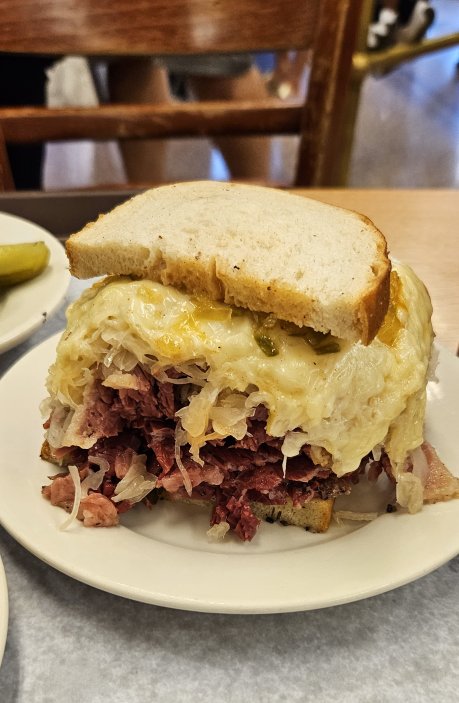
column 190, row 27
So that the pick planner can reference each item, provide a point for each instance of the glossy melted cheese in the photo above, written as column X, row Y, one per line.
column 347, row 402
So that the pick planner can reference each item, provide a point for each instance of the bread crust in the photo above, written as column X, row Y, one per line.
column 209, row 239
column 375, row 301
column 45, row 453
column 314, row 516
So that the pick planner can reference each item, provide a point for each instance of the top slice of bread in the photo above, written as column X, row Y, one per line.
column 258, row 248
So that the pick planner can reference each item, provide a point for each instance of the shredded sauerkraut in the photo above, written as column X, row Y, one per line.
column 137, row 483
column 75, row 474
column 93, row 480
column 180, row 440
column 291, row 446
column 344, row 403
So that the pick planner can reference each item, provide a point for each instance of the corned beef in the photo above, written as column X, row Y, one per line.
column 140, row 419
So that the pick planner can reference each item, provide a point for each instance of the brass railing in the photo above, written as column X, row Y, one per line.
column 367, row 62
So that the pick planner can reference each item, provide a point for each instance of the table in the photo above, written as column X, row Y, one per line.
column 421, row 228
column 70, row 642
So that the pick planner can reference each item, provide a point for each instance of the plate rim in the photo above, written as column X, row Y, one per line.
column 35, row 320
column 218, row 604
column 4, row 610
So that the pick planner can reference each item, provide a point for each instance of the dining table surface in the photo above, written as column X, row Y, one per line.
column 68, row 641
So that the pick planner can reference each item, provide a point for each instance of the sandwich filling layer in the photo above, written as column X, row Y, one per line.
column 153, row 390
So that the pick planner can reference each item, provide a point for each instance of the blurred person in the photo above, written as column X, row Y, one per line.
column 399, row 21
column 226, row 77
column 22, row 83
column 415, row 23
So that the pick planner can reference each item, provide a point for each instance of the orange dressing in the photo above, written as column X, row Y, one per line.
column 391, row 325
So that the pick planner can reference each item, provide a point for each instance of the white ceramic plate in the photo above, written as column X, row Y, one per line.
column 3, row 610
column 163, row 556
column 25, row 307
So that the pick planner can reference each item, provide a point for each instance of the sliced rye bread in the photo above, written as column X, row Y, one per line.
column 258, row 248
column 314, row 516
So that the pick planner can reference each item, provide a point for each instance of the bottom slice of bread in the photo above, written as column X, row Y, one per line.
column 314, row 516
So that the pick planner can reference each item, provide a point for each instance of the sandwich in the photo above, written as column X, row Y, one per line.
column 253, row 352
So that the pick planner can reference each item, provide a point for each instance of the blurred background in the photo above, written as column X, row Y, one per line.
column 407, row 130
column 402, row 109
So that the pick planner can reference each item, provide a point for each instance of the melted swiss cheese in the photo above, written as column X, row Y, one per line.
column 347, row 402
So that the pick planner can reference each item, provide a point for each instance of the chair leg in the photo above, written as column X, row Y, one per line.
column 349, row 118
column 330, row 110
column 141, row 80
column 247, row 158
column 352, row 97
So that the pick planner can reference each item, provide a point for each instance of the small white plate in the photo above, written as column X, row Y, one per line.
column 3, row 610
column 25, row 307
column 163, row 556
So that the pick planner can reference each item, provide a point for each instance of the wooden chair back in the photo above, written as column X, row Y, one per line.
column 189, row 27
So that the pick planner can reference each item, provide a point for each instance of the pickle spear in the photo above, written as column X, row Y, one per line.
column 20, row 262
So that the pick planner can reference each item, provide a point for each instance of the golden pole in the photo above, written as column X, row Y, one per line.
column 365, row 62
